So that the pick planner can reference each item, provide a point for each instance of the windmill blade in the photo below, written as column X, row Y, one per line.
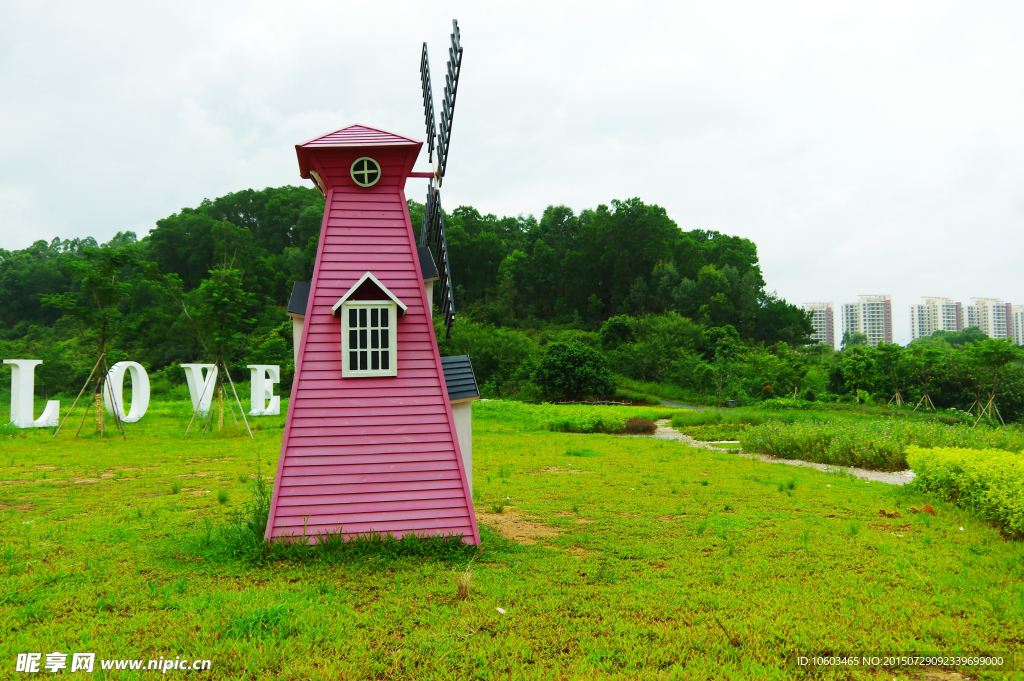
column 433, row 234
column 451, row 87
column 428, row 102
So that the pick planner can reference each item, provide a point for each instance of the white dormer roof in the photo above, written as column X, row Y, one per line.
column 337, row 306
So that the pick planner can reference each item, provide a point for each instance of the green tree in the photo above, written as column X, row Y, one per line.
column 573, row 370
column 853, row 339
column 890, row 362
column 922, row 362
column 991, row 357
column 98, row 304
column 857, row 369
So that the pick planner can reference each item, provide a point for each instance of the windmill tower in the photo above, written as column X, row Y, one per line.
column 370, row 442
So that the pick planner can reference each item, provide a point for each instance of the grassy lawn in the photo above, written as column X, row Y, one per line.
column 613, row 558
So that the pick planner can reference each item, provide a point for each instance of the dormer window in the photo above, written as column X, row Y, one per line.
column 369, row 329
column 368, row 338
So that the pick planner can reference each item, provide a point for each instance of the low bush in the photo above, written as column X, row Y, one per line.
column 639, row 426
column 714, row 433
column 709, row 417
column 565, row 418
column 880, row 444
column 781, row 403
column 627, row 395
column 987, row 482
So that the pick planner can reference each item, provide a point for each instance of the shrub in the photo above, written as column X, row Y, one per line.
column 879, row 444
column 713, row 433
column 781, row 403
column 988, row 482
column 574, row 370
column 564, row 418
column 640, row 426
column 710, row 417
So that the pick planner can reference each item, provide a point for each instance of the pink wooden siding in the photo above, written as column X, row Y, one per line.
column 368, row 454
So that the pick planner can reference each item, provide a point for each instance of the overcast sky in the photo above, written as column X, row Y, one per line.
column 866, row 147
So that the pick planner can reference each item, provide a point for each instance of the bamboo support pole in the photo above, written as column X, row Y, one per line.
column 245, row 420
column 115, row 407
column 86, row 412
column 80, row 393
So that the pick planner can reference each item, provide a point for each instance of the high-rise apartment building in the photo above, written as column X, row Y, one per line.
column 824, row 329
column 1017, row 321
column 935, row 314
column 992, row 316
column 872, row 316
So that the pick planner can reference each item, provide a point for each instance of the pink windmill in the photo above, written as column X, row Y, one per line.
column 376, row 439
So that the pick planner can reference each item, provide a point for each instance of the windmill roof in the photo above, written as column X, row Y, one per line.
column 459, row 377
column 427, row 265
column 359, row 136
column 353, row 136
column 300, row 297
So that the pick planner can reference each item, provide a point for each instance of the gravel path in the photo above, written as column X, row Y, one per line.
column 666, row 432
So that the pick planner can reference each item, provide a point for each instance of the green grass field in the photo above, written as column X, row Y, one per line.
column 612, row 557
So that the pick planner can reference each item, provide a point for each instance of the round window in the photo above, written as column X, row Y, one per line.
column 365, row 171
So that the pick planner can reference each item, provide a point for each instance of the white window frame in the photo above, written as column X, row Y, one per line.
column 392, row 328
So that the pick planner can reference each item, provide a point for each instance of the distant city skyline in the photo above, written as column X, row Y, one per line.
column 875, row 315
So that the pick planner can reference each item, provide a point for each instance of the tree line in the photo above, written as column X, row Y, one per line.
column 564, row 271
column 678, row 313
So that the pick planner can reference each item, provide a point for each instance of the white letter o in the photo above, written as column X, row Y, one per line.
column 114, row 384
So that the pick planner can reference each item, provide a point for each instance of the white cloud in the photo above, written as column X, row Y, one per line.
column 869, row 147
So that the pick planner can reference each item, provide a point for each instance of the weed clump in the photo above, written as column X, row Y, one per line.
column 260, row 623
column 464, row 584
column 640, row 426
column 581, row 452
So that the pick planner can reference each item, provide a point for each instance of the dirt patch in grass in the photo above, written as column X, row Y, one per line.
column 512, row 525
column 554, row 469
column 578, row 551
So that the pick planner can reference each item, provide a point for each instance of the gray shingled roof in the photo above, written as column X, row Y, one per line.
column 300, row 296
column 427, row 264
column 458, row 374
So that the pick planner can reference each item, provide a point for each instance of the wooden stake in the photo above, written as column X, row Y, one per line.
column 98, row 399
column 245, row 420
column 232, row 411
column 116, row 408
column 220, row 407
column 80, row 392
column 85, row 414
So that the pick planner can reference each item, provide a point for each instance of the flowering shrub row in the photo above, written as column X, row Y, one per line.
column 880, row 445
column 988, row 482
